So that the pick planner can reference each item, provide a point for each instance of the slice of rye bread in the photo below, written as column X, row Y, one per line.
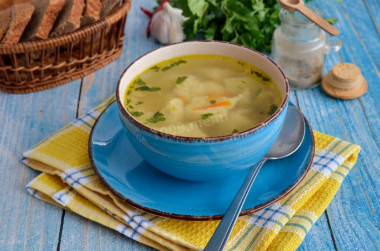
column 69, row 18
column 43, row 19
column 5, row 21
column 21, row 15
column 97, row 9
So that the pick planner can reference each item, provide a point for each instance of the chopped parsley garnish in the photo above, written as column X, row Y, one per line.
column 147, row 88
column 206, row 115
column 157, row 117
column 180, row 79
column 258, row 92
column 241, row 63
column 130, row 106
column 260, row 75
column 173, row 64
column 212, row 101
column 139, row 103
column 155, row 68
column 140, row 82
column 272, row 109
column 128, row 101
column 136, row 114
column 235, row 131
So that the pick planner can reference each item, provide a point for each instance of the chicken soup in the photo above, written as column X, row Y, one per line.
column 202, row 96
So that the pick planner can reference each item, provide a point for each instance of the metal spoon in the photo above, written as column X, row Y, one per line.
column 293, row 5
column 289, row 140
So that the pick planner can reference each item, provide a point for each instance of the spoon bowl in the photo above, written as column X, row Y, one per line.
column 288, row 141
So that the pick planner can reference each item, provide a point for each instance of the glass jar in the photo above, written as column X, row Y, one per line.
column 299, row 47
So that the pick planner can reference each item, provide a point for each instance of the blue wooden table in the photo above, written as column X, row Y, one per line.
column 352, row 220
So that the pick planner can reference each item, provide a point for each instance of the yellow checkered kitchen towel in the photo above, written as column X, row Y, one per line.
column 68, row 181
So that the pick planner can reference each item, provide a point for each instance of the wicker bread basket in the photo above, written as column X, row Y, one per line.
column 39, row 65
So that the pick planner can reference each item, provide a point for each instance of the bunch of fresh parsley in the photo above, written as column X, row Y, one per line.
column 247, row 22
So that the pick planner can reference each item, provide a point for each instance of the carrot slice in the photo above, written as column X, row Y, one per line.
column 184, row 99
column 219, row 104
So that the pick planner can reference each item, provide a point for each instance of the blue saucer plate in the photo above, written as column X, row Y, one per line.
column 124, row 172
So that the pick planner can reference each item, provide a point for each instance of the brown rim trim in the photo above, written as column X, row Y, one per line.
column 208, row 139
column 202, row 218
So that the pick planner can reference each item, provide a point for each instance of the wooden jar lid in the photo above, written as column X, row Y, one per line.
column 344, row 81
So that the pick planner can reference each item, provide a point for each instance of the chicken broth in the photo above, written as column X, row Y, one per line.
column 202, row 96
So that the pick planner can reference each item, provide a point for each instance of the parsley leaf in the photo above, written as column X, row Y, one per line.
column 272, row 109
column 173, row 64
column 212, row 101
column 155, row 68
column 136, row 114
column 180, row 79
column 332, row 20
column 140, row 82
column 157, row 117
column 206, row 115
column 147, row 88
column 235, row 131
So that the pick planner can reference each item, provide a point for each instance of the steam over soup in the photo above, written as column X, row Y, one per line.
column 202, row 96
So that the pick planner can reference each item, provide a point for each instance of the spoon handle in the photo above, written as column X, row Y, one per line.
column 318, row 20
column 224, row 229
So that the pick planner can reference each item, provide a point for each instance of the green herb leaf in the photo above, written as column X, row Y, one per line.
column 272, row 109
column 130, row 106
column 258, row 92
column 241, row 63
column 157, row 117
column 128, row 101
column 206, row 115
column 212, row 101
column 173, row 64
column 137, row 114
column 180, row 79
column 235, row 131
column 332, row 20
column 139, row 103
column 140, row 82
column 147, row 88
column 155, row 68
column 260, row 75
column 198, row 7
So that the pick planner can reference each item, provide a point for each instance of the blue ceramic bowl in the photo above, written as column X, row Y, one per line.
column 202, row 159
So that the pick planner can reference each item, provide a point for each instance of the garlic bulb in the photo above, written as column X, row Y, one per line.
column 166, row 25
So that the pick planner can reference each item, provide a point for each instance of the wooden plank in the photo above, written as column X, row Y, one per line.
column 79, row 233
column 319, row 237
column 28, row 223
column 373, row 7
column 352, row 213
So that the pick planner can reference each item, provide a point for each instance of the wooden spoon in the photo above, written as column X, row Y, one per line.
column 293, row 5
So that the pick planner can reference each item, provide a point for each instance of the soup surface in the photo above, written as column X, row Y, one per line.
column 202, row 96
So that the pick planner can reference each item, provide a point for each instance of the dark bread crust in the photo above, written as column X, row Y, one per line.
column 21, row 15
column 69, row 18
column 44, row 17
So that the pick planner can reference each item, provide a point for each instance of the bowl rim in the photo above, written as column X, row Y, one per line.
column 242, row 134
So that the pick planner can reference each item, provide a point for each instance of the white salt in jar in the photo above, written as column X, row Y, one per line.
column 299, row 47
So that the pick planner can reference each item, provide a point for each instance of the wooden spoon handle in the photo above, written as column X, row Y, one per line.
column 317, row 20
